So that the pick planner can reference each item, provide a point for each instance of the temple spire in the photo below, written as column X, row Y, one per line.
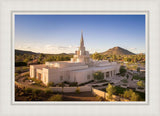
column 82, row 41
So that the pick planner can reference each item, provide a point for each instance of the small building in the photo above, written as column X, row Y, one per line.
column 79, row 69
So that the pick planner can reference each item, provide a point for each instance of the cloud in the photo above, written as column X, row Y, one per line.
column 55, row 49
column 135, row 50
column 132, row 48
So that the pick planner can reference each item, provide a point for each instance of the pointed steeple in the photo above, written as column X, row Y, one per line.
column 82, row 41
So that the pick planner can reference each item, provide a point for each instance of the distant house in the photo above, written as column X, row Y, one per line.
column 80, row 69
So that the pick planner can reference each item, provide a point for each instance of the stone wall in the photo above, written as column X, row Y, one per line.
column 70, row 89
column 105, row 95
column 98, row 92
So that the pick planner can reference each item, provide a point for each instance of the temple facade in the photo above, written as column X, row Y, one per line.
column 79, row 69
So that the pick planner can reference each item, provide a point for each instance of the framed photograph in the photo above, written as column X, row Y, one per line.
column 57, row 74
column 84, row 58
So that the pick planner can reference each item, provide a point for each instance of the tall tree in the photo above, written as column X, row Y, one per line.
column 110, row 90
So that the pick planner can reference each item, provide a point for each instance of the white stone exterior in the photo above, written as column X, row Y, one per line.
column 80, row 69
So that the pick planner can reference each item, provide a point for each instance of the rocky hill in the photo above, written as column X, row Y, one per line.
column 117, row 51
column 23, row 52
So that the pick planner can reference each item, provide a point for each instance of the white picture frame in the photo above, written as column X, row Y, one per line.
column 146, row 13
column 152, row 104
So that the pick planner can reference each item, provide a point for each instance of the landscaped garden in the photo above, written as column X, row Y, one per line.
column 128, row 93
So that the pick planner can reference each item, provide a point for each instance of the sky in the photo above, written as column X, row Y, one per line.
column 55, row 34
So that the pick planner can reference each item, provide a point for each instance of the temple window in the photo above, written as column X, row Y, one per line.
column 68, row 77
column 88, row 77
column 61, row 78
column 107, row 74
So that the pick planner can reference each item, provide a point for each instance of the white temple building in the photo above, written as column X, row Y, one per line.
column 79, row 69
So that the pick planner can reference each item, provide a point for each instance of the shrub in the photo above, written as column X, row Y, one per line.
column 16, row 74
column 138, row 69
column 135, row 97
column 18, row 70
column 123, row 74
column 99, row 98
column 98, row 75
column 119, row 90
column 137, row 77
column 73, row 84
column 55, row 98
column 29, row 78
column 51, row 84
column 37, row 91
column 65, row 82
column 131, row 95
column 48, row 91
column 25, row 68
column 20, row 64
column 38, row 82
column 77, row 90
column 110, row 90
column 28, row 90
column 128, row 94
column 140, row 84
column 122, row 70
column 61, row 84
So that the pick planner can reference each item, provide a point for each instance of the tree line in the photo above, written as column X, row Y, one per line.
column 124, row 58
column 26, row 59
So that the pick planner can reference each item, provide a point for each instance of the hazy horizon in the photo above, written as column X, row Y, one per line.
column 68, row 53
column 54, row 34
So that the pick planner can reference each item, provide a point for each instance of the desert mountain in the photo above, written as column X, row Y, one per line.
column 30, row 52
column 23, row 52
column 117, row 51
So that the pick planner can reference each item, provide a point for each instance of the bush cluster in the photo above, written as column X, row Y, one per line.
column 20, row 64
column 55, row 98
column 50, row 84
column 131, row 95
column 32, row 94
column 73, row 84
column 77, row 90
